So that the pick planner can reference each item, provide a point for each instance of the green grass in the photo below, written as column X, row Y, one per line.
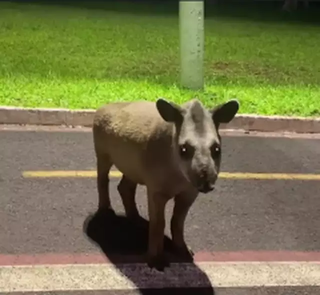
column 77, row 57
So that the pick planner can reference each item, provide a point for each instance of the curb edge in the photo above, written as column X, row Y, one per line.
column 73, row 118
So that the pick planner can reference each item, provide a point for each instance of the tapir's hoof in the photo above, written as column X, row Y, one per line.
column 184, row 252
column 159, row 262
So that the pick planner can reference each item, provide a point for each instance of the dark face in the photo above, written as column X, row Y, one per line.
column 198, row 143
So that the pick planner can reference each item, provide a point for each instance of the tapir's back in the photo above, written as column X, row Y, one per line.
column 131, row 120
column 133, row 134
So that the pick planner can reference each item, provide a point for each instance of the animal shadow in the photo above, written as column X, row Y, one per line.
column 125, row 241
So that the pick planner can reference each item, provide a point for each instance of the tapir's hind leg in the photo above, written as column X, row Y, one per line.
column 103, row 167
column 127, row 191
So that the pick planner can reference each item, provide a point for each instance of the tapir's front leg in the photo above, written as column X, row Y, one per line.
column 156, row 206
column 183, row 202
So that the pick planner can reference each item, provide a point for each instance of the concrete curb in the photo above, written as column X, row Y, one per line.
column 73, row 118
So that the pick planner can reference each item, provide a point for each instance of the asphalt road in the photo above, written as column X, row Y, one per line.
column 40, row 216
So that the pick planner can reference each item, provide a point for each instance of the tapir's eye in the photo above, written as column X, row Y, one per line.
column 215, row 151
column 186, row 151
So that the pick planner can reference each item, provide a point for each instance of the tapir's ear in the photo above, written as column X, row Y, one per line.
column 225, row 112
column 169, row 111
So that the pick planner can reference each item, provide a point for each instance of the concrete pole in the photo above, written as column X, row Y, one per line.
column 191, row 14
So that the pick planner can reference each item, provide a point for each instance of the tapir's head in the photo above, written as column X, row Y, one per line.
column 197, row 143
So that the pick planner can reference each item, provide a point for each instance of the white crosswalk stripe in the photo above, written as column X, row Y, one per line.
column 73, row 277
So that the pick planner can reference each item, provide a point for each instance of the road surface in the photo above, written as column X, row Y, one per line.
column 250, row 236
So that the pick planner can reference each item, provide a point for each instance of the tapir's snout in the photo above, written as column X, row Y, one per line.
column 205, row 183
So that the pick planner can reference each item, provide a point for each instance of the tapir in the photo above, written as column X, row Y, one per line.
column 174, row 150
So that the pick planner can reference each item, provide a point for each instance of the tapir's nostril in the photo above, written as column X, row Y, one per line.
column 202, row 178
column 203, row 175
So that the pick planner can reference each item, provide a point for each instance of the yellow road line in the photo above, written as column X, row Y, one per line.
column 226, row 175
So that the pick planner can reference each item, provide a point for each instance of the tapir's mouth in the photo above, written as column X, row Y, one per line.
column 206, row 189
